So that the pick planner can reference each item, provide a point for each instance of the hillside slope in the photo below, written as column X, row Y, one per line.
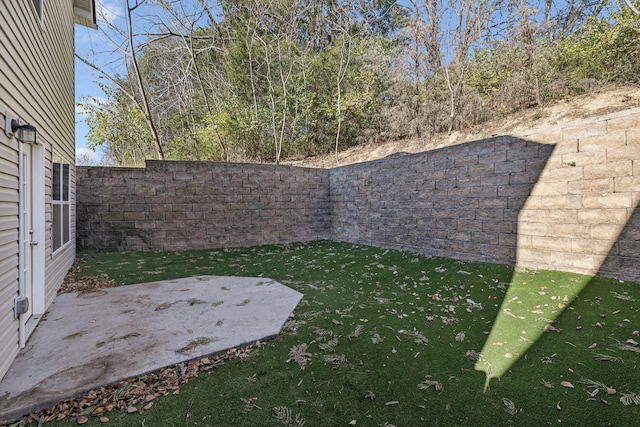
column 605, row 101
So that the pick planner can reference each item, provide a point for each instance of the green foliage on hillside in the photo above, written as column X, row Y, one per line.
column 606, row 49
column 291, row 78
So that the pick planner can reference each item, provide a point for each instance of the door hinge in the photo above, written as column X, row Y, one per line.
column 21, row 305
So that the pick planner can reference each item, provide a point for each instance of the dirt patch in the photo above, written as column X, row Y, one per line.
column 606, row 101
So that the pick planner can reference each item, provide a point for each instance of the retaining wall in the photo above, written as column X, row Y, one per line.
column 199, row 205
column 564, row 198
column 461, row 201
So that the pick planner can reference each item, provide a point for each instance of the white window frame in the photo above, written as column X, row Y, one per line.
column 60, row 202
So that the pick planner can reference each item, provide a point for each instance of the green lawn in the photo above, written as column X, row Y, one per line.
column 387, row 338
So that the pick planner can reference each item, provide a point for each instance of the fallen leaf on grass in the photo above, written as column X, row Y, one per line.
column 551, row 328
column 546, row 383
column 607, row 358
column 299, row 354
column 629, row 398
column 509, row 406
column 392, row 402
column 376, row 338
column 566, row 384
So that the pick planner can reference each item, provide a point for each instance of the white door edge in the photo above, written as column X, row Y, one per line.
column 39, row 235
column 31, row 236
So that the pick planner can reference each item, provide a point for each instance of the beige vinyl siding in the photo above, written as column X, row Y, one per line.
column 8, row 250
column 37, row 86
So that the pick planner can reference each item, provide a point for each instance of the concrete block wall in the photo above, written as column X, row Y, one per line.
column 563, row 198
column 583, row 213
column 198, row 205
column 461, row 201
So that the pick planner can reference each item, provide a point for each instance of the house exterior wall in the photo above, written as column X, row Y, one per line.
column 36, row 86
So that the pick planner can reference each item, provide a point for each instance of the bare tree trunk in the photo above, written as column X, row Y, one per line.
column 454, row 95
column 144, row 100
column 342, row 72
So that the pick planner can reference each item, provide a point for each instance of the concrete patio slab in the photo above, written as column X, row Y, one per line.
column 97, row 338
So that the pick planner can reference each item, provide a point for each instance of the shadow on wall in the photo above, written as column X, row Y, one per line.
column 527, row 312
column 461, row 201
column 622, row 259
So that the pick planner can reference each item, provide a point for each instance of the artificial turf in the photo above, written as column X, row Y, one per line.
column 385, row 337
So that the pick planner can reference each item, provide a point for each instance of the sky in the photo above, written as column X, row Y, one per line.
column 92, row 45
column 86, row 41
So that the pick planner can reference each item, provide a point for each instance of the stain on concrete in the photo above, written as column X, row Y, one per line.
column 166, row 305
column 127, row 336
column 92, row 294
column 193, row 344
column 75, row 335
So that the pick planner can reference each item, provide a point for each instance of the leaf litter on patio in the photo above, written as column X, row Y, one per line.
column 385, row 337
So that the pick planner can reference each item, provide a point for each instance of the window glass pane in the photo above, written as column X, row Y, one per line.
column 65, row 182
column 65, row 223
column 60, row 202
column 57, row 232
column 57, row 176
